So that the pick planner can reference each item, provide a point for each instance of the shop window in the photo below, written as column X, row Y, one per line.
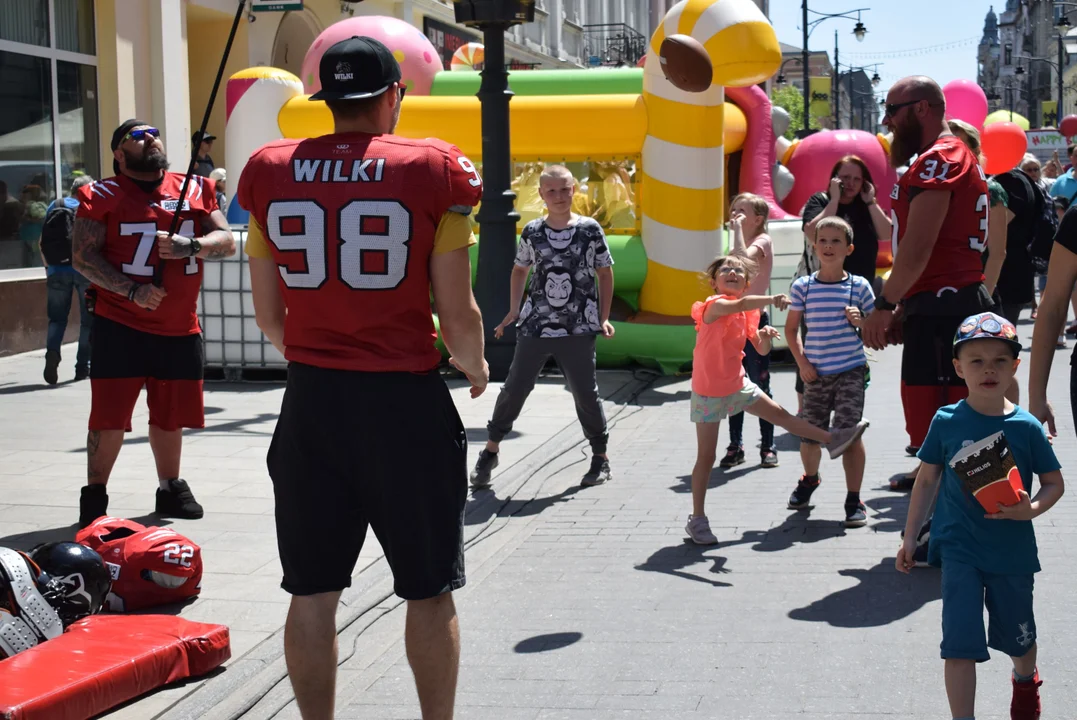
column 27, row 177
column 25, row 21
column 77, row 122
column 75, row 26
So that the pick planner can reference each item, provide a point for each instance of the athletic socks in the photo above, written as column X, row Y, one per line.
column 1024, row 678
column 812, row 479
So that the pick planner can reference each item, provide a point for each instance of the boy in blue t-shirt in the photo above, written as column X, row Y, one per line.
column 981, row 558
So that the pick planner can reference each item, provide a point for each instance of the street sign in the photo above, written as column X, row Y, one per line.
column 275, row 5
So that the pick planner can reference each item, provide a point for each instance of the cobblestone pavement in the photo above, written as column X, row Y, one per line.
column 581, row 604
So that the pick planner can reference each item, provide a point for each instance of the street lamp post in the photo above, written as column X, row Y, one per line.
column 859, row 31
column 497, row 216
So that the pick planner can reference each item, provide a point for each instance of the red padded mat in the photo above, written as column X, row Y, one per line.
column 104, row 660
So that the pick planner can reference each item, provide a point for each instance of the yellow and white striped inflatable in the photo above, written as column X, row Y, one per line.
column 683, row 158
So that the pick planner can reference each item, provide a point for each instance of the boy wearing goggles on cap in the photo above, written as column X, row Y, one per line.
column 972, row 448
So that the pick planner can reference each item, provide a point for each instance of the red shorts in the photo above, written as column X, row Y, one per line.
column 124, row 360
column 173, row 404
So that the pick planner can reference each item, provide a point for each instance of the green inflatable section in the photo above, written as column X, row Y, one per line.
column 618, row 81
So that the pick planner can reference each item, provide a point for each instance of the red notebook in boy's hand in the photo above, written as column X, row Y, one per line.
column 988, row 471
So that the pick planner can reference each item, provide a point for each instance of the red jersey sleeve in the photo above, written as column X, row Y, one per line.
column 462, row 180
column 945, row 166
column 94, row 199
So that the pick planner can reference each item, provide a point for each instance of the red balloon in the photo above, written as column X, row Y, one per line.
column 1004, row 144
column 1068, row 126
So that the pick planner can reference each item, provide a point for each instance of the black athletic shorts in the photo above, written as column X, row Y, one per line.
column 119, row 351
column 385, row 450
column 927, row 353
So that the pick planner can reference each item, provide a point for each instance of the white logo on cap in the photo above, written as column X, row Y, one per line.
column 344, row 71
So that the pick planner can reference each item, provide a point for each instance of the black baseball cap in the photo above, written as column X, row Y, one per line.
column 198, row 138
column 356, row 68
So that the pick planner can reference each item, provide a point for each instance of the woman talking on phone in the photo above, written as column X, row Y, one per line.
column 851, row 197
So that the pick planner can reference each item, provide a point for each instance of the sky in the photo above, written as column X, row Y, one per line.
column 937, row 38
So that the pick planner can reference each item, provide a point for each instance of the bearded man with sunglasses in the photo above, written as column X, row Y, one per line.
column 145, row 335
column 939, row 212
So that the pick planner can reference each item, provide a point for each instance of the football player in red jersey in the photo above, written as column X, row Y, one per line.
column 940, row 208
column 145, row 335
column 348, row 234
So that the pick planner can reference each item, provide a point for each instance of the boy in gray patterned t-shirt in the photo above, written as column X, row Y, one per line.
column 565, row 310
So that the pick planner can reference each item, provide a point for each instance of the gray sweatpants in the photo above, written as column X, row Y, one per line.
column 575, row 355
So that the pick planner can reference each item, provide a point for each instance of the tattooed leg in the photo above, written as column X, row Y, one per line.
column 102, row 449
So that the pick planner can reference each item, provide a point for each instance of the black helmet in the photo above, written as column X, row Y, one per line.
column 82, row 574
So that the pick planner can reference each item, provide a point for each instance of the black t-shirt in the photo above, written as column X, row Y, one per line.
column 1015, row 279
column 1067, row 238
column 865, row 239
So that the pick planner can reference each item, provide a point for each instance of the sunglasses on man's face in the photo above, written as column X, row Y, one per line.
column 141, row 133
column 893, row 109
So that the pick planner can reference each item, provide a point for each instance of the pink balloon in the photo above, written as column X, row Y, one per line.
column 965, row 100
column 1068, row 126
column 419, row 60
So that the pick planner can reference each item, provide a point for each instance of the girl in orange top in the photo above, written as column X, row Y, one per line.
column 724, row 321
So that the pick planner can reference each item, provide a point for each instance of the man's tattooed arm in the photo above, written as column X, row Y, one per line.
column 87, row 239
column 217, row 240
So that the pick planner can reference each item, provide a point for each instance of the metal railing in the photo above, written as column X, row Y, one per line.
column 613, row 44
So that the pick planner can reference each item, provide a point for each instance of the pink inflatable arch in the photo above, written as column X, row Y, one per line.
column 757, row 157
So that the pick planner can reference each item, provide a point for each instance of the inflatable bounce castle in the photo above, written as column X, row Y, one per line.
column 657, row 158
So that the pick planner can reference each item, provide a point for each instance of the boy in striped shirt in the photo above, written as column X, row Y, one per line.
column 831, row 359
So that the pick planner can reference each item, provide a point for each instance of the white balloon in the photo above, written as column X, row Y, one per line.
column 783, row 181
column 779, row 119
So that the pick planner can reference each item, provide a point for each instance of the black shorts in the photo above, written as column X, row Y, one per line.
column 385, row 450
column 927, row 353
column 119, row 351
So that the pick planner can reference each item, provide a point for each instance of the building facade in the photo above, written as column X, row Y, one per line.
column 989, row 58
column 71, row 70
column 1019, row 66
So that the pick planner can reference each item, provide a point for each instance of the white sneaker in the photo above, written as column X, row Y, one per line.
column 699, row 530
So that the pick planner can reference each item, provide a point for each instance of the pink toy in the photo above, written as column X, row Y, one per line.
column 419, row 60
column 757, row 157
column 813, row 158
column 965, row 100
column 1004, row 144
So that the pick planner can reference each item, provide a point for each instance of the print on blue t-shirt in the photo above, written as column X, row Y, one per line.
column 832, row 344
column 959, row 529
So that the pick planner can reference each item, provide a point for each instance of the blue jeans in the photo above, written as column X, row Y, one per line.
column 61, row 285
column 757, row 368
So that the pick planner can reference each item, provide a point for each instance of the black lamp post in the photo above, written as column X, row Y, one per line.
column 497, row 217
column 859, row 31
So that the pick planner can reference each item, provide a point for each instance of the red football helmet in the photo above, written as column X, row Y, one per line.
column 149, row 565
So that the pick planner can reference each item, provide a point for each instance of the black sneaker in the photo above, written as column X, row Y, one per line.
column 178, row 501
column 52, row 362
column 923, row 537
column 480, row 476
column 802, row 495
column 768, row 459
column 856, row 515
column 733, row 456
column 81, row 374
column 598, row 474
column 911, row 450
column 93, row 504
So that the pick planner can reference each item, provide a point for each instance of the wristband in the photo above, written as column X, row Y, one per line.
column 132, row 291
column 882, row 303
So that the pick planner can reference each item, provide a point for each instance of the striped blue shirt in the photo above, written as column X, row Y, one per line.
column 832, row 344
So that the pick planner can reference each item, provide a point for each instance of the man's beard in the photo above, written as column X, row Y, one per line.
column 147, row 161
column 907, row 141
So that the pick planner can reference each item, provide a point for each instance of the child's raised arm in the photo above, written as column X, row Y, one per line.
column 720, row 306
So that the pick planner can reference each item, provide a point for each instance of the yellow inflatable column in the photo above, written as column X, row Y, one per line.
column 683, row 158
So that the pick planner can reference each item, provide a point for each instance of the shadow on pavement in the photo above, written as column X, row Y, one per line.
column 485, row 504
column 550, row 641
column 29, row 540
column 719, row 477
column 881, row 596
column 890, row 513
column 481, row 435
column 13, row 389
column 798, row 528
column 676, row 560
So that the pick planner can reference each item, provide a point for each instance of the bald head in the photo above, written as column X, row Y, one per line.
column 918, row 87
